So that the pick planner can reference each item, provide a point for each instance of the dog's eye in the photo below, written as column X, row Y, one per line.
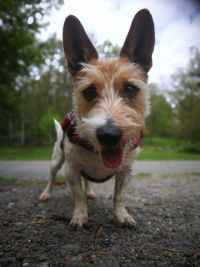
column 130, row 90
column 89, row 93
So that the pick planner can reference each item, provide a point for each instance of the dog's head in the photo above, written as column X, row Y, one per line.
column 111, row 95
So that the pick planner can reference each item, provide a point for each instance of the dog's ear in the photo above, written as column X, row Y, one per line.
column 77, row 46
column 139, row 43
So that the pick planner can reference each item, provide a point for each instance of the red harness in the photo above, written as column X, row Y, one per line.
column 68, row 125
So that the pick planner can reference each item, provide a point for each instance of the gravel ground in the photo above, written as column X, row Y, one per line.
column 166, row 208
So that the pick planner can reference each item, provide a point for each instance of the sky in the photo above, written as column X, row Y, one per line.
column 177, row 27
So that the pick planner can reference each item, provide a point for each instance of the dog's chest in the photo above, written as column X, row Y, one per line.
column 87, row 162
column 90, row 163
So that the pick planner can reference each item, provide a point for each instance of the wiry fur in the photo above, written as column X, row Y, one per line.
column 110, row 107
column 108, row 78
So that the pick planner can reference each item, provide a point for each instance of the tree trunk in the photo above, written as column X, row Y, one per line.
column 22, row 133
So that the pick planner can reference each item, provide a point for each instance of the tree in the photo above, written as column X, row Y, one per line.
column 19, row 52
column 187, row 98
column 161, row 121
column 47, row 128
column 108, row 50
column 51, row 91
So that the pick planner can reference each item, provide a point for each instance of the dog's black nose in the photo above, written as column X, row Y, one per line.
column 109, row 135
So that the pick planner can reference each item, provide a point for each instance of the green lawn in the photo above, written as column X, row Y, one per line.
column 152, row 154
column 147, row 153
column 25, row 153
column 160, row 142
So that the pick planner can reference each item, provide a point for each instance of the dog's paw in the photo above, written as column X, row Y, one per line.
column 91, row 195
column 129, row 221
column 124, row 217
column 79, row 218
column 45, row 196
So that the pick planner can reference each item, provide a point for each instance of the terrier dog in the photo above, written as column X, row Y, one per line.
column 110, row 100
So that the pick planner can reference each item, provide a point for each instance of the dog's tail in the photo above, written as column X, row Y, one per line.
column 58, row 153
column 59, row 131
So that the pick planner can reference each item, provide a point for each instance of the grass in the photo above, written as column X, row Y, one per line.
column 158, row 148
column 10, row 181
column 25, row 153
column 17, row 181
column 147, row 154
column 161, row 142
column 152, row 149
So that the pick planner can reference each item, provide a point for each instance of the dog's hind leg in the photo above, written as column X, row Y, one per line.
column 56, row 165
column 57, row 161
column 88, row 190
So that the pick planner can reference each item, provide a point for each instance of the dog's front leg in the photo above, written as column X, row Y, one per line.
column 120, row 211
column 80, row 214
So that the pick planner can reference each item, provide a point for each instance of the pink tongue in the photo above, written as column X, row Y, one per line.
column 112, row 158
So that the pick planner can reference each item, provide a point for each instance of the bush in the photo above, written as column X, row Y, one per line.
column 46, row 126
column 192, row 148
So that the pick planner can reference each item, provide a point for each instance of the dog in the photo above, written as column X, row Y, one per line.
column 99, row 139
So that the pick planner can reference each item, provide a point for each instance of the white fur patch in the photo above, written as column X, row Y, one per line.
column 59, row 131
column 96, row 121
column 88, row 127
column 89, row 68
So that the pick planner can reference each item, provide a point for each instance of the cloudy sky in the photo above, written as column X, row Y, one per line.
column 177, row 25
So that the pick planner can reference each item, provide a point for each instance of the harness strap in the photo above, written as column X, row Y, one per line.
column 68, row 125
column 137, row 141
column 91, row 179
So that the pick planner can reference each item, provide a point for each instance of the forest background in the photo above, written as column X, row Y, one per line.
column 35, row 85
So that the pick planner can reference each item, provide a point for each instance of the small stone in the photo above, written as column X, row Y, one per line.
column 41, row 258
column 44, row 264
column 106, row 241
column 10, row 205
column 18, row 223
column 22, row 254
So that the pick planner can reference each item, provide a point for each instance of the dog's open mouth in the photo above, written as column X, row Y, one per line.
column 112, row 158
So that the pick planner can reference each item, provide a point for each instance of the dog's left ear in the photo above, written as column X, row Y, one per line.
column 139, row 43
column 77, row 45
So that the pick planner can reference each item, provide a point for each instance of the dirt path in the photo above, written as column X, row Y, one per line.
column 166, row 208
column 40, row 169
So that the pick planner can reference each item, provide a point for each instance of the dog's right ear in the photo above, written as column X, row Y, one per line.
column 77, row 45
